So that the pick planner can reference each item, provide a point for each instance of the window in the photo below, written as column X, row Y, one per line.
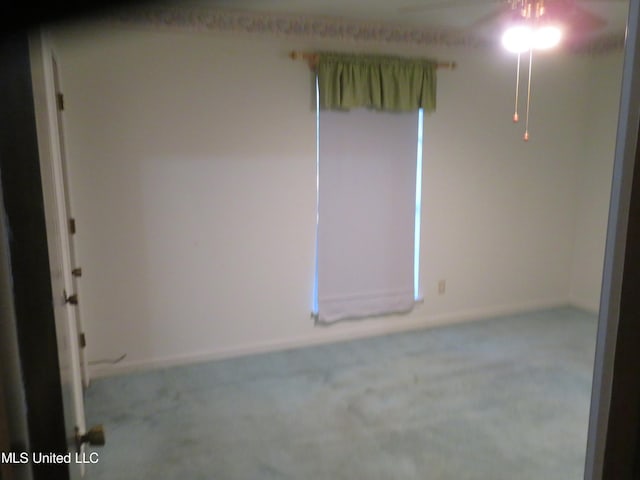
column 369, row 123
column 418, row 212
column 368, row 217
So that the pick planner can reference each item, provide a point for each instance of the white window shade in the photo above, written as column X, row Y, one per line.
column 366, row 213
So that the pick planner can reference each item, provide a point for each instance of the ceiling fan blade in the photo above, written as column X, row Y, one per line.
column 577, row 18
column 588, row 20
column 497, row 17
column 424, row 7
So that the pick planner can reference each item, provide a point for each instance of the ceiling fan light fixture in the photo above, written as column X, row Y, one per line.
column 517, row 39
column 547, row 37
column 522, row 38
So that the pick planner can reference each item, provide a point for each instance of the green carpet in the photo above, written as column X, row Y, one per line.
column 503, row 398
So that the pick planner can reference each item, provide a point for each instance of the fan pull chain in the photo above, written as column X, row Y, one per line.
column 526, row 124
column 515, row 114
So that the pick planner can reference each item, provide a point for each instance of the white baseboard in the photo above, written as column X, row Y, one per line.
column 328, row 334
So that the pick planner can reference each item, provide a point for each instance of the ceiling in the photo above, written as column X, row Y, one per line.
column 470, row 17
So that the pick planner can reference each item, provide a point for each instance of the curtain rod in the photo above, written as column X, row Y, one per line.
column 312, row 60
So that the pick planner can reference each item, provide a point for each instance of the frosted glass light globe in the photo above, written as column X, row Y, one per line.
column 517, row 39
column 546, row 37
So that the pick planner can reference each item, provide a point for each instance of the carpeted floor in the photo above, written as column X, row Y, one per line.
column 504, row 398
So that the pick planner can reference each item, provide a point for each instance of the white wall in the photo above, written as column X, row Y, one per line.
column 192, row 160
column 595, row 182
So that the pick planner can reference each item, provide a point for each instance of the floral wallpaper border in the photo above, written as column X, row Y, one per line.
column 206, row 19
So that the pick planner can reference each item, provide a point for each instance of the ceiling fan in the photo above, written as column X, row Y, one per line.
column 576, row 19
column 526, row 25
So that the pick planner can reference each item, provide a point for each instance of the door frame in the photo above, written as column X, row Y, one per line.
column 613, row 446
column 25, row 245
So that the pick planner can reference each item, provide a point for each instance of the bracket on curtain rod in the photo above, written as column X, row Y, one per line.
column 312, row 60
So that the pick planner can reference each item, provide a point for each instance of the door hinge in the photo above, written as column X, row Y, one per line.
column 94, row 437
column 83, row 340
column 71, row 299
column 72, row 226
column 60, row 101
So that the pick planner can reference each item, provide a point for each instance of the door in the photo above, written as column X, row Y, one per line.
column 50, row 142
column 68, row 234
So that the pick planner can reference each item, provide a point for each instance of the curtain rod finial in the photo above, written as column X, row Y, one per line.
column 311, row 58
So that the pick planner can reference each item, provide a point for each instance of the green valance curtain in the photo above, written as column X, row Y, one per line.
column 388, row 83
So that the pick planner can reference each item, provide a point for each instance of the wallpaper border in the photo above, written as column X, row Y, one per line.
column 211, row 19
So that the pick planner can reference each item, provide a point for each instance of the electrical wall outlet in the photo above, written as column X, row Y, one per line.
column 442, row 287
